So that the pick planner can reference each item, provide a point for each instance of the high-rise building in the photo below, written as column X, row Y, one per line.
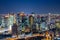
column 6, row 21
column 21, row 21
column 27, row 19
column 14, row 29
column 0, row 21
column 38, row 21
column 11, row 20
column 3, row 24
column 31, row 20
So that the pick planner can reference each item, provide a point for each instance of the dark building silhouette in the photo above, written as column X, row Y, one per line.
column 14, row 29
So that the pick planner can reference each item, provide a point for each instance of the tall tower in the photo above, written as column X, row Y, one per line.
column 15, row 29
column 3, row 25
column 31, row 20
column 38, row 21
column 11, row 21
column 0, row 21
column 19, row 23
column 6, row 21
column 21, row 18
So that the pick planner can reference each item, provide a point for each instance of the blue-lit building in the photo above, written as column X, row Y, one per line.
column 22, row 21
column 0, row 21
column 19, row 22
column 38, row 21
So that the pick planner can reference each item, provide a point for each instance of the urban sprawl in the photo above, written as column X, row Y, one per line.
column 20, row 23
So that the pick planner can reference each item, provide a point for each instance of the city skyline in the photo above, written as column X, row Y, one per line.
column 28, row 6
column 30, row 19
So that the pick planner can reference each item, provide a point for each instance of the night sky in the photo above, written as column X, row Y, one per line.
column 28, row 6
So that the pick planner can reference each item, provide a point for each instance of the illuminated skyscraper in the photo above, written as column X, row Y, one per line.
column 21, row 19
column 31, row 20
column 19, row 23
column 11, row 20
column 0, row 21
column 6, row 21
column 3, row 24
column 38, row 21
